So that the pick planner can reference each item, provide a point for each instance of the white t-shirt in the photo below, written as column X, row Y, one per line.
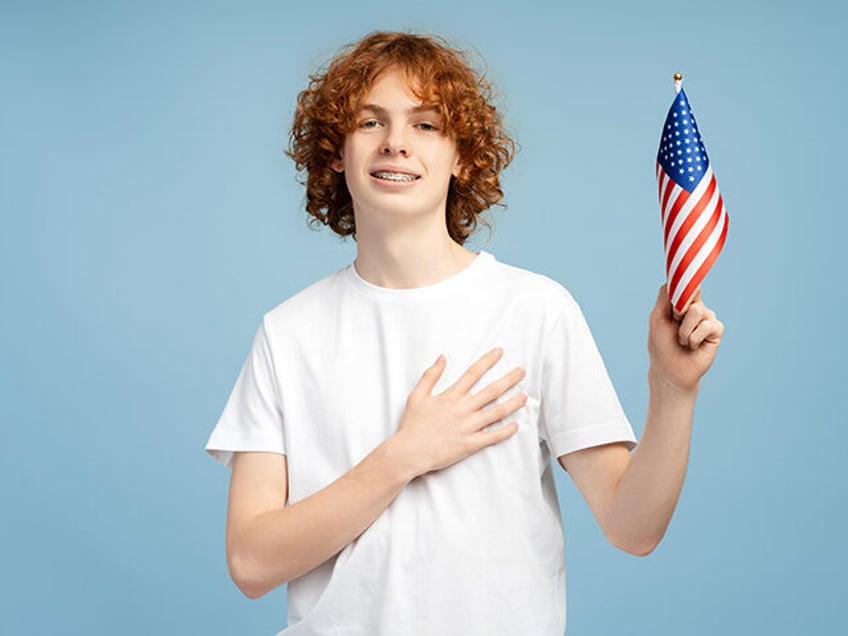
column 474, row 549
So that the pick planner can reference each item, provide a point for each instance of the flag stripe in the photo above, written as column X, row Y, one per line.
column 683, row 206
column 689, row 229
column 678, row 197
column 670, row 187
column 698, row 241
column 693, row 214
column 711, row 256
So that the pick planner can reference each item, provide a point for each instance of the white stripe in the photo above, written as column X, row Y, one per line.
column 694, row 197
column 662, row 178
column 693, row 232
column 701, row 256
column 672, row 198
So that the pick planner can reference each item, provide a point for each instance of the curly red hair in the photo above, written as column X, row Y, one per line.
column 442, row 77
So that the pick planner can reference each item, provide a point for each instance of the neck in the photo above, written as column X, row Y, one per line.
column 408, row 255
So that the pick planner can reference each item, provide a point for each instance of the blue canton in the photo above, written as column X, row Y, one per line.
column 682, row 154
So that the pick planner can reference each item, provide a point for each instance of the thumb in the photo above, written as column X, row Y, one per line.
column 695, row 298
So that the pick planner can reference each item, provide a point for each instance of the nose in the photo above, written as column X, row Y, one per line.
column 396, row 142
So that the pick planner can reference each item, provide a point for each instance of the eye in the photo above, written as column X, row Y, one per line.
column 369, row 123
column 428, row 127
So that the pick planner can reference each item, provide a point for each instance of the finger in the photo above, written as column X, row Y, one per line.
column 430, row 377
column 706, row 331
column 496, row 435
column 662, row 308
column 694, row 298
column 691, row 319
column 497, row 388
column 501, row 410
column 476, row 371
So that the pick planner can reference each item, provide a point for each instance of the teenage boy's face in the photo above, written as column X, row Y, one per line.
column 398, row 161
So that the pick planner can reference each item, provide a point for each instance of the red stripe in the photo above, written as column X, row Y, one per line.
column 669, row 188
column 679, row 202
column 696, row 246
column 689, row 222
column 702, row 270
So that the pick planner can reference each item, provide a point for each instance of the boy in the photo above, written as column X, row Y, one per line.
column 399, row 503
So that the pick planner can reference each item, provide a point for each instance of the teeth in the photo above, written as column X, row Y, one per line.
column 395, row 176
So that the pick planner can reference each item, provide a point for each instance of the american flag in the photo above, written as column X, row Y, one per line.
column 694, row 218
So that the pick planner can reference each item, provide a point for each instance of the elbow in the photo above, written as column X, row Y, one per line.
column 247, row 577
column 636, row 546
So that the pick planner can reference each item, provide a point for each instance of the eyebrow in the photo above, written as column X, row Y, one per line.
column 382, row 112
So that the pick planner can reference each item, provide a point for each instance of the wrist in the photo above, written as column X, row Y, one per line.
column 663, row 387
column 400, row 458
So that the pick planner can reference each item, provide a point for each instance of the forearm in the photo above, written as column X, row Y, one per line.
column 268, row 545
column 649, row 488
column 282, row 544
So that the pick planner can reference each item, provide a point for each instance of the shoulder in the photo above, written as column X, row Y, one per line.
column 542, row 291
column 306, row 305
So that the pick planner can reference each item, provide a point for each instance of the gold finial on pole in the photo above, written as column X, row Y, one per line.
column 678, row 81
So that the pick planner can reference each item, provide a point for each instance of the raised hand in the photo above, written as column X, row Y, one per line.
column 683, row 348
column 440, row 430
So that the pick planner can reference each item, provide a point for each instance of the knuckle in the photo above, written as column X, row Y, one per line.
column 500, row 411
column 494, row 391
column 489, row 394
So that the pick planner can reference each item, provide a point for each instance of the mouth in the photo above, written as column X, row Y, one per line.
column 385, row 175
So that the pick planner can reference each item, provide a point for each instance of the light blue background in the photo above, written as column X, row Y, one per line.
column 149, row 219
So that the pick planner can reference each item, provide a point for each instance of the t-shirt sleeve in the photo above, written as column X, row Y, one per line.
column 580, row 408
column 252, row 419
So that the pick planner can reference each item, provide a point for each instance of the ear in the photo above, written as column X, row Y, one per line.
column 337, row 165
column 457, row 168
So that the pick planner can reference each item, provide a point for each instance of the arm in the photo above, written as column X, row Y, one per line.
column 269, row 543
column 633, row 496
